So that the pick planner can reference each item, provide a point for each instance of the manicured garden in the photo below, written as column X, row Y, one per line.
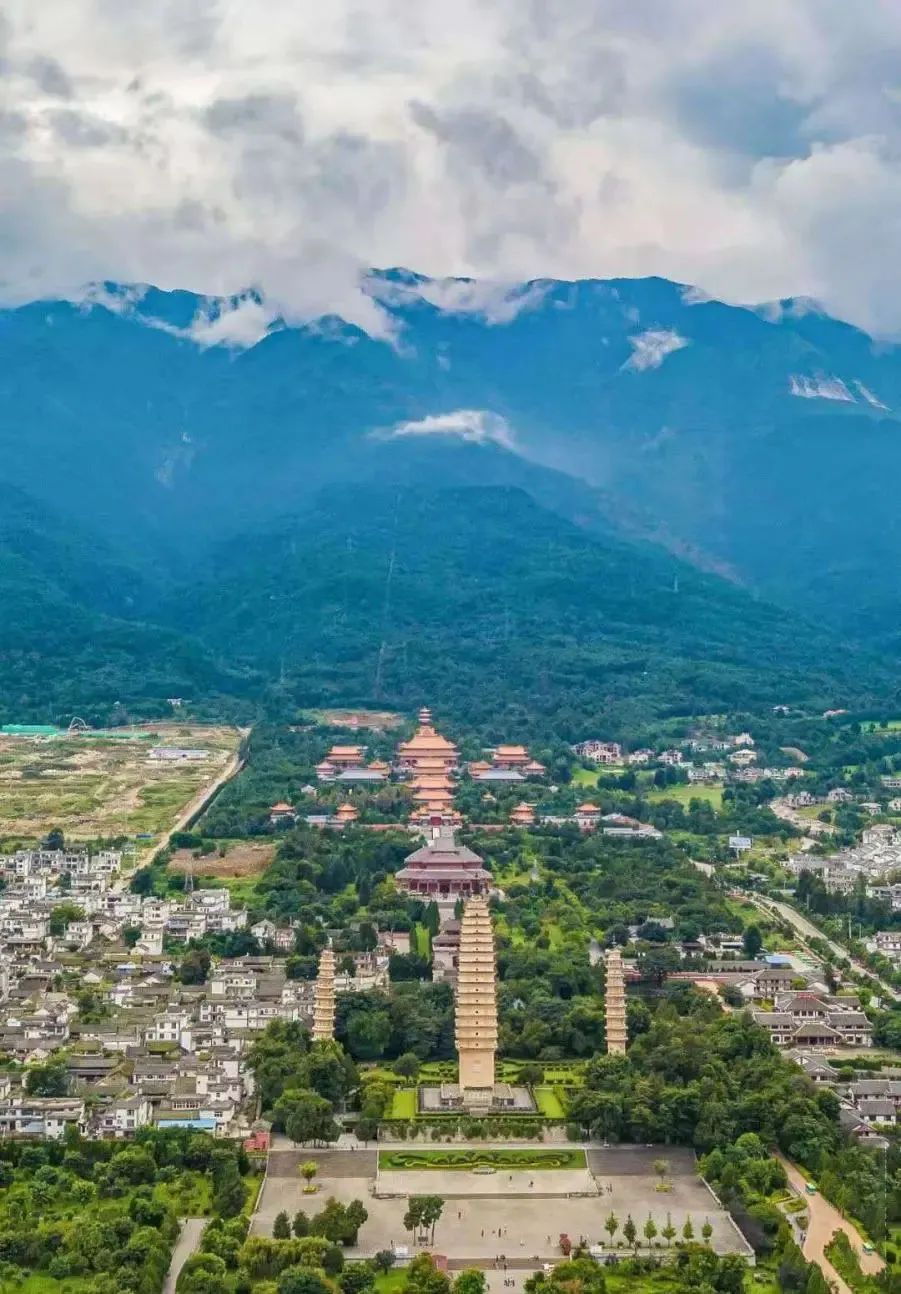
column 463, row 1160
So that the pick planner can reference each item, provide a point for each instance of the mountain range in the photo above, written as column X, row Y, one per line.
column 617, row 490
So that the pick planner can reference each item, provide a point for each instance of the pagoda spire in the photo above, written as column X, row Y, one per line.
column 615, row 1004
column 476, row 1003
column 324, row 998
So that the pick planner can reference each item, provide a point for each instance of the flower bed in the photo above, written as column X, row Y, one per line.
column 466, row 1159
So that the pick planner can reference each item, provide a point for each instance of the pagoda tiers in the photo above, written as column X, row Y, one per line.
column 443, row 869
column 523, row 815
column 427, row 746
column 476, row 1003
column 324, row 998
column 345, row 814
column 615, row 1004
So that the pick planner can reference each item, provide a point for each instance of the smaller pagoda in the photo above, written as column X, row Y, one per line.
column 324, row 998
column 345, row 814
column 615, row 1004
column 523, row 815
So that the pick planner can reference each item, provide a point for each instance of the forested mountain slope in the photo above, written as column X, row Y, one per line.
column 496, row 605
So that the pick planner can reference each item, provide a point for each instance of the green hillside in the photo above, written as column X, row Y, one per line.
column 498, row 607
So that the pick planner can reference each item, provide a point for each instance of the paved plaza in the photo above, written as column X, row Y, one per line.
column 488, row 1216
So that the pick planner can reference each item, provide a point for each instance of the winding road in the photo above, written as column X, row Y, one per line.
column 825, row 1220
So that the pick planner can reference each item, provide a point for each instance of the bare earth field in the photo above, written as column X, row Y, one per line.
column 376, row 720
column 242, row 858
column 94, row 785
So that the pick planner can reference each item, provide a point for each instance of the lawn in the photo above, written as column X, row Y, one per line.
column 549, row 1103
column 465, row 1160
column 391, row 1282
column 40, row 1283
column 713, row 794
column 585, row 777
column 420, row 942
column 403, row 1103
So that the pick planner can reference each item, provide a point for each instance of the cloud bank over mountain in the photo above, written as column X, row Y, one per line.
column 753, row 150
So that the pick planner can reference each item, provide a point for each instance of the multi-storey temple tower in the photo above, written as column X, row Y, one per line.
column 324, row 998
column 615, row 1004
column 476, row 1004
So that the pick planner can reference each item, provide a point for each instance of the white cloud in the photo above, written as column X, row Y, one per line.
column 490, row 301
column 476, row 426
column 751, row 150
column 650, row 349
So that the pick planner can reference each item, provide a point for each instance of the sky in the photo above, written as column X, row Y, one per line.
column 751, row 149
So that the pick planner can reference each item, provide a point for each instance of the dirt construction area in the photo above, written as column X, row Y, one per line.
column 239, row 858
column 484, row 1218
column 135, row 782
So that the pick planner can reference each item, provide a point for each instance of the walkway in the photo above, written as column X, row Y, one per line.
column 188, row 1243
column 825, row 1220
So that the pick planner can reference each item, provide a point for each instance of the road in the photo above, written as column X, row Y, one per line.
column 188, row 1242
column 825, row 1220
column 807, row 930
column 203, row 796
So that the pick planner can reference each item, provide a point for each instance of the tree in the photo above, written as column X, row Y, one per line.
column 204, row 1274
column 611, row 1225
column 356, row 1278
column 229, row 1192
column 300, row 1224
column 630, row 1231
column 62, row 914
column 305, row 1116
column 688, row 1231
column 650, row 1230
column 658, row 961
column 407, row 1065
column 530, row 1074
column 302, row 1280
column 470, row 1281
column 752, row 941
column 707, row 1231
column 384, row 1260
column 423, row 1277
column 51, row 1079
column 413, row 1216
column 432, row 1208
column 669, row 1231
column 661, row 1168
column 308, row 1170
column 195, row 966
column 281, row 1227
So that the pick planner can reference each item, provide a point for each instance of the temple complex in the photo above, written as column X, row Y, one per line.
column 476, row 1004
column 615, row 1004
column 345, row 814
column 443, row 869
column 324, row 998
